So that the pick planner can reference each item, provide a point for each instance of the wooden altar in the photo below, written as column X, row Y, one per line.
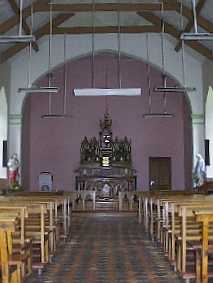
column 106, row 164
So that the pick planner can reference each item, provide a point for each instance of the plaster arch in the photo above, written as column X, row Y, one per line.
column 55, row 136
column 123, row 54
column 78, row 46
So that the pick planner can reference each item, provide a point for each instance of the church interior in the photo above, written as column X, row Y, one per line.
column 106, row 141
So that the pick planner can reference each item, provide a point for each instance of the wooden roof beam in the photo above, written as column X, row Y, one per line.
column 43, row 6
column 14, row 20
column 44, row 30
column 170, row 29
column 202, row 22
column 190, row 24
column 105, row 29
column 107, row 7
column 25, row 26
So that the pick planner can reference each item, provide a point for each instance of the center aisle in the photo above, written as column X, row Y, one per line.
column 107, row 248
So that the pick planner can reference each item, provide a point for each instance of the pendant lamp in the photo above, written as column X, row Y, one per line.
column 196, row 35
column 151, row 114
column 19, row 38
column 165, row 87
column 64, row 114
column 50, row 114
column 32, row 88
column 164, row 114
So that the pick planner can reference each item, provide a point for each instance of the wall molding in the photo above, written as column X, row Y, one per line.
column 198, row 119
column 15, row 119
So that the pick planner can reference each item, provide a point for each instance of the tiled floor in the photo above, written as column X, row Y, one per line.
column 107, row 248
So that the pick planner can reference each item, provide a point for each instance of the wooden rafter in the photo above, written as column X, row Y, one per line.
column 189, row 26
column 70, row 9
column 105, row 29
column 41, row 6
column 202, row 22
column 107, row 7
column 170, row 29
column 25, row 26
column 11, row 51
column 14, row 20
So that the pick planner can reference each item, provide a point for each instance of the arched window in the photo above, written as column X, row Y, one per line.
column 209, row 129
column 3, row 129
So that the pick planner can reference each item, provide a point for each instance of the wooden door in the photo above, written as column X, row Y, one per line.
column 160, row 173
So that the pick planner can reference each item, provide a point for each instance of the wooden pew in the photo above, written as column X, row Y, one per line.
column 36, row 227
column 176, row 227
column 62, row 206
column 10, row 270
column 205, row 216
column 43, row 220
column 20, row 247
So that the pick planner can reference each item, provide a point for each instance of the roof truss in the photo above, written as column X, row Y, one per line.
column 25, row 26
column 146, row 10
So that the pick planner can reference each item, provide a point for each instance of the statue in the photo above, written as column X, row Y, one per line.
column 199, row 171
column 13, row 166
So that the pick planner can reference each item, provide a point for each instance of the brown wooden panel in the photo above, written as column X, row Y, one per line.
column 160, row 173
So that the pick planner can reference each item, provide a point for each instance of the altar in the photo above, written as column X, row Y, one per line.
column 106, row 164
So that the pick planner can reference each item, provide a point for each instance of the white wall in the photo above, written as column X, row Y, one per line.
column 209, row 129
column 78, row 45
column 3, row 128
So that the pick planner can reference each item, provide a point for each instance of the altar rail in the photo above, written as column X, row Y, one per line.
column 86, row 200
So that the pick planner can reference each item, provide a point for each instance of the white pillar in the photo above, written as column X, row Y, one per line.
column 14, row 134
column 198, row 128
column 3, row 129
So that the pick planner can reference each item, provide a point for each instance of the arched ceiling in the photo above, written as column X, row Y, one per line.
column 75, row 17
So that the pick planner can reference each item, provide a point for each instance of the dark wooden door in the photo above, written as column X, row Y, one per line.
column 160, row 173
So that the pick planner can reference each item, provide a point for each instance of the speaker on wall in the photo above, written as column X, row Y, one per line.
column 207, row 155
column 4, row 159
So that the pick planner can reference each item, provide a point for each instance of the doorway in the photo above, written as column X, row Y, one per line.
column 160, row 173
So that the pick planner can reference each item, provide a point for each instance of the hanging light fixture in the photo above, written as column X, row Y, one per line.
column 64, row 115
column 196, row 35
column 50, row 114
column 164, row 114
column 165, row 87
column 32, row 88
column 151, row 114
column 20, row 38
column 106, row 91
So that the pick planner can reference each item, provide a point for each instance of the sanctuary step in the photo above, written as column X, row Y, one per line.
column 106, row 204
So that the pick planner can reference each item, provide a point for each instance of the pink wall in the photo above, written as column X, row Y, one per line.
column 54, row 145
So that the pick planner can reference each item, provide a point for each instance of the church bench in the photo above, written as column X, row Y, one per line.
column 146, row 201
column 186, row 235
column 20, row 246
column 159, row 209
column 205, row 216
column 37, row 228
column 10, row 269
column 44, row 215
column 62, row 206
